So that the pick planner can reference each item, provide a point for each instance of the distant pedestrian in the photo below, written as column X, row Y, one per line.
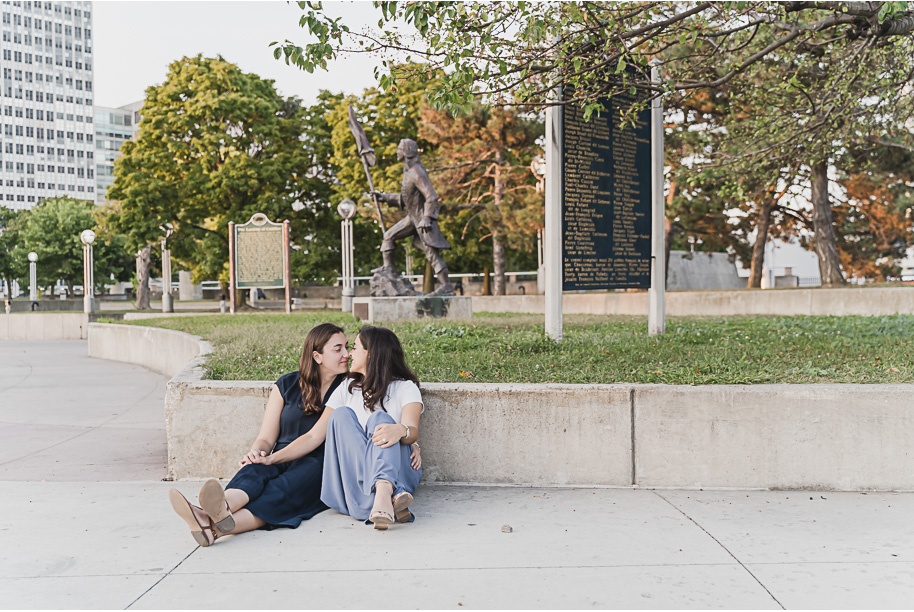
column 279, row 483
column 8, row 305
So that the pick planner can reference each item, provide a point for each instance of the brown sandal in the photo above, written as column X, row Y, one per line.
column 212, row 500
column 402, row 502
column 184, row 509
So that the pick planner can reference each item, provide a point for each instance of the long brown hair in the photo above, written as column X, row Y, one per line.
column 385, row 364
column 309, row 372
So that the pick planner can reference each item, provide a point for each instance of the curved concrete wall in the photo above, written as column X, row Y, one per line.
column 161, row 350
column 813, row 301
column 835, row 437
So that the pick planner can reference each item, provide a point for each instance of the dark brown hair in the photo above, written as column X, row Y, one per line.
column 385, row 364
column 309, row 372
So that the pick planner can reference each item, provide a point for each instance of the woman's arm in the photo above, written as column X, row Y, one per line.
column 269, row 428
column 302, row 445
column 397, row 432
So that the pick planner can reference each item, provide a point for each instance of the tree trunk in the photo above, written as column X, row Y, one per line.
column 761, row 239
column 9, row 288
column 498, row 263
column 70, row 288
column 142, row 278
column 498, row 247
column 823, row 227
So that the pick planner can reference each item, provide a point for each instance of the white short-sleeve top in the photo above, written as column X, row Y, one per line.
column 399, row 393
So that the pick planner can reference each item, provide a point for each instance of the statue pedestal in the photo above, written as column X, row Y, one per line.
column 376, row 309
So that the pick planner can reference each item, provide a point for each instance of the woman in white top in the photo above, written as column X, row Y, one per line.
column 371, row 462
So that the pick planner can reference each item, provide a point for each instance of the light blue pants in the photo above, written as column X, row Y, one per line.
column 353, row 464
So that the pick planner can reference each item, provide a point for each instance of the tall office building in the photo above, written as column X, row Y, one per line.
column 47, row 110
column 113, row 127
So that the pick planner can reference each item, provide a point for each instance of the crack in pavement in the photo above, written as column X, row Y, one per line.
column 166, row 575
column 719, row 543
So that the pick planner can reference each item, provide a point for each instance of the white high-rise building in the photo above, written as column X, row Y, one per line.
column 47, row 141
column 113, row 127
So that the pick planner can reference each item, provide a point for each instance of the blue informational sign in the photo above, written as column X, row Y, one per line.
column 606, row 198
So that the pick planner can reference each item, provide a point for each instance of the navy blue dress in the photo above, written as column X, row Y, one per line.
column 285, row 494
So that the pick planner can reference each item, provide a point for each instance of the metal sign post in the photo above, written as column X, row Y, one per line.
column 552, row 261
column 656, row 319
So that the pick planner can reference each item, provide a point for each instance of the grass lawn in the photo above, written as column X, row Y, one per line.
column 597, row 349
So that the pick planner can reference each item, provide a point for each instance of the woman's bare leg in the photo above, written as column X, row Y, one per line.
column 236, row 499
column 244, row 521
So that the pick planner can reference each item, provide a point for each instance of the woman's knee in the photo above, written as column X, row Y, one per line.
column 379, row 417
column 343, row 415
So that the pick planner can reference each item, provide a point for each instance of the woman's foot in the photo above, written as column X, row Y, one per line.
column 402, row 502
column 382, row 513
column 212, row 499
column 195, row 518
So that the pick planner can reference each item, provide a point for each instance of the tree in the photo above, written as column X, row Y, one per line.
column 52, row 230
column 808, row 62
column 874, row 221
column 483, row 160
column 215, row 145
column 10, row 267
column 521, row 51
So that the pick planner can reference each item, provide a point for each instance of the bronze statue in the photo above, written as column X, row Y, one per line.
column 420, row 201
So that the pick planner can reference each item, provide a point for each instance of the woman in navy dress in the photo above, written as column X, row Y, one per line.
column 372, row 464
column 279, row 482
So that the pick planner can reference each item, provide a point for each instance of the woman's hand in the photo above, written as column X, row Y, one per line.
column 415, row 459
column 388, row 434
column 254, row 456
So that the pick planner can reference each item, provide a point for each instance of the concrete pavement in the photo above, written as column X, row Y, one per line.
column 85, row 523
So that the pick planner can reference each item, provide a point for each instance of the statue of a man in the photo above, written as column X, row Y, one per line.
column 420, row 200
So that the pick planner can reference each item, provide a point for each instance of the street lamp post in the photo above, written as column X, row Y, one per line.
column 33, row 278
column 346, row 210
column 168, row 304
column 88, row 237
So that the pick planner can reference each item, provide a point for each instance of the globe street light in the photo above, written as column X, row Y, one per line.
column 346, row 210
column 88, row 237
column 33, row 278
column 168, row 304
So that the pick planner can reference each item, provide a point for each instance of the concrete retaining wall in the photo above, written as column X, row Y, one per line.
column 44, row 326
column 161, row 350
column 835, row 437
column 813, row 301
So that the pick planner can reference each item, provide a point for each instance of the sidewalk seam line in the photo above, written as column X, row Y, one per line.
column 631, row 401
column 741, row 564
column 166, row 575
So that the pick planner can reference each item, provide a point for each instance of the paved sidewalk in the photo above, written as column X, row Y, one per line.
column 64, row 416
column 115, row 542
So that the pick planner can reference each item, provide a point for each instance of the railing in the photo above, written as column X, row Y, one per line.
column 809, row 281
column 531, row 276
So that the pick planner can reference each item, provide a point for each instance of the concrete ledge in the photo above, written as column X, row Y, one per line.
column 164, row 351
column 834, row 437
column 379, row 309
column 44, row 326
column 812, row 301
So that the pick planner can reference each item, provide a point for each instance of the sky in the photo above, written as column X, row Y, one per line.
column 136, row 41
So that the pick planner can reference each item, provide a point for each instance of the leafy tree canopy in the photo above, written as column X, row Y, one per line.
column 215, row 145
column 52, row 230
